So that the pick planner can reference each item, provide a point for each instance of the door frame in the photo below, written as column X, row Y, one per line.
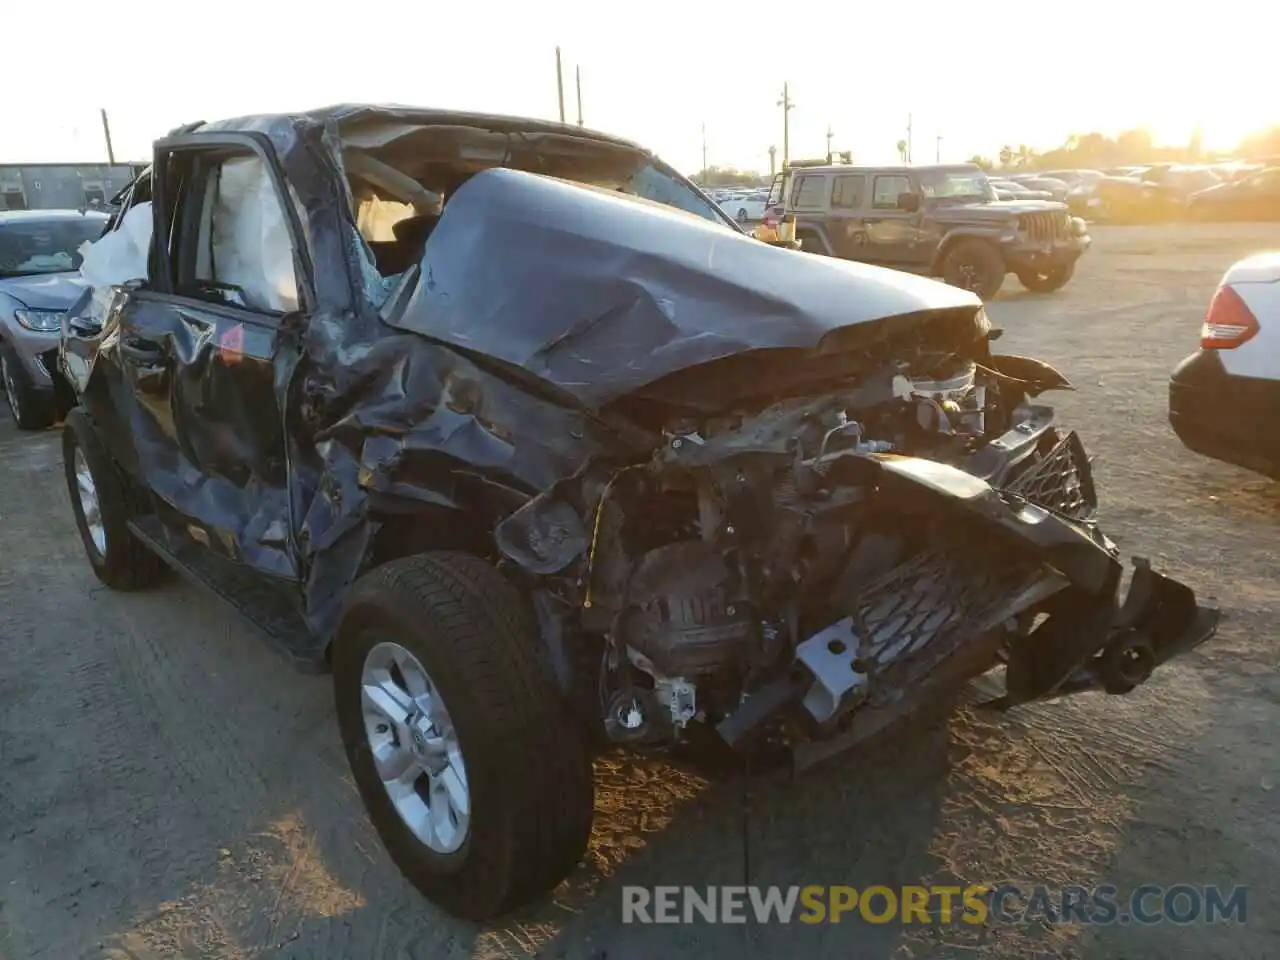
column 161, row 291
column 260, row 144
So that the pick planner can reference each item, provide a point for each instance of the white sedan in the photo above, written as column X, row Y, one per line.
column 1225, row 397
column 745, row 209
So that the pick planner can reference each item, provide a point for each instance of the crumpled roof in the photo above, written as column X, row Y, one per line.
column 286, row 123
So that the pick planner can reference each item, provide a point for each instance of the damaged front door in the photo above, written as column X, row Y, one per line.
column 205, row 347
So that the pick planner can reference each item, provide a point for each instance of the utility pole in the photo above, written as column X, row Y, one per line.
column 937, row 157
column 773, row 161
column 908, row 138
column 829, row 136
column 787, row 106
column 106, row 131
column 578, row 76
column 704, row 154
column 560, row 84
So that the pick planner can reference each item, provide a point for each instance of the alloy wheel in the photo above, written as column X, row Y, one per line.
column 90, row 505
column 415, row 747
column 970, row 278
column 10, row 388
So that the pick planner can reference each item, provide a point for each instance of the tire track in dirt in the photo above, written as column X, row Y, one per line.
column 75, row 751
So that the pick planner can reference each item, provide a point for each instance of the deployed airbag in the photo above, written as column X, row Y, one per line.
column 251, row 245
column 116, row 258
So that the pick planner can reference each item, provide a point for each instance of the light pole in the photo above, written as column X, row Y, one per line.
column 560, row 84
column 787, row 106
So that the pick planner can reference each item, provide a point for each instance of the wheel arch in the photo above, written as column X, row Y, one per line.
column 817, row 231
column 959, row 235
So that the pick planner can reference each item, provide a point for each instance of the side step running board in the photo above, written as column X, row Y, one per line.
column 265, row 607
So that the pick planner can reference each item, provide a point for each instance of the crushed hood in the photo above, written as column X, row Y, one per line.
column 600, row 294
column 49, row 291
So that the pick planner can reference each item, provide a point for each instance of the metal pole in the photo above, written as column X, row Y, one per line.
column 786, row 105
column 704, row 154
column 829, row 136
column 106, row 131
column 773, row 162
column 937, row 158
column 908, row 138
column 578, row 76
column 560, row 84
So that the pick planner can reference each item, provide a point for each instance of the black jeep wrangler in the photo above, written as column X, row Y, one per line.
column 942, row 221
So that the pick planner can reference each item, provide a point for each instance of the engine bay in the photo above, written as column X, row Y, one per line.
column 756, row 549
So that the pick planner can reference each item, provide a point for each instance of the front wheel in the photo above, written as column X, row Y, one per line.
column 974, row 265
column 32, row 408
column 477, row 781
column 1047, row 281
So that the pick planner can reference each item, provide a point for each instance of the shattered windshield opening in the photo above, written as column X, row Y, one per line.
column 956, row 185
column 35, row 247
column 403, row 175
column 652, row 183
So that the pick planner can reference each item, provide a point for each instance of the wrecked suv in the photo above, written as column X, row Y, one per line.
column 506, row 425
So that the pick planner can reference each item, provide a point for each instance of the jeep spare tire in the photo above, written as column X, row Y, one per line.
column 472, row 771
column 974, row 265
column 1049, row 280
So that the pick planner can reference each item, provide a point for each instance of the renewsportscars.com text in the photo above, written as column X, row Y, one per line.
column 1003, row 903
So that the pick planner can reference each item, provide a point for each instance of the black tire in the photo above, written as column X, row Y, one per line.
column 125, row 564
column 974, row 265
column 811, row 242
column 1047, row 281
column 742, row 215
column 527, row 764
column 32, row 408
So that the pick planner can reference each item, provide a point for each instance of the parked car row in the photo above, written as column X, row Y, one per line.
column 534, row 467
column 1157, row 192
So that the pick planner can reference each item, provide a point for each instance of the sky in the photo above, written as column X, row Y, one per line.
column 977, row 74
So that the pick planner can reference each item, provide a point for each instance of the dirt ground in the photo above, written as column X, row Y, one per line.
column 169, row 787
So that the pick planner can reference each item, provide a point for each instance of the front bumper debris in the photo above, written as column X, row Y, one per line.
column 1038, row 591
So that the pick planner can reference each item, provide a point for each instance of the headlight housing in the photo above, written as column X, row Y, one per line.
column 41, row 321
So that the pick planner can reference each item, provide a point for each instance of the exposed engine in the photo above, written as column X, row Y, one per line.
column 745, row 534
column 818, row 561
